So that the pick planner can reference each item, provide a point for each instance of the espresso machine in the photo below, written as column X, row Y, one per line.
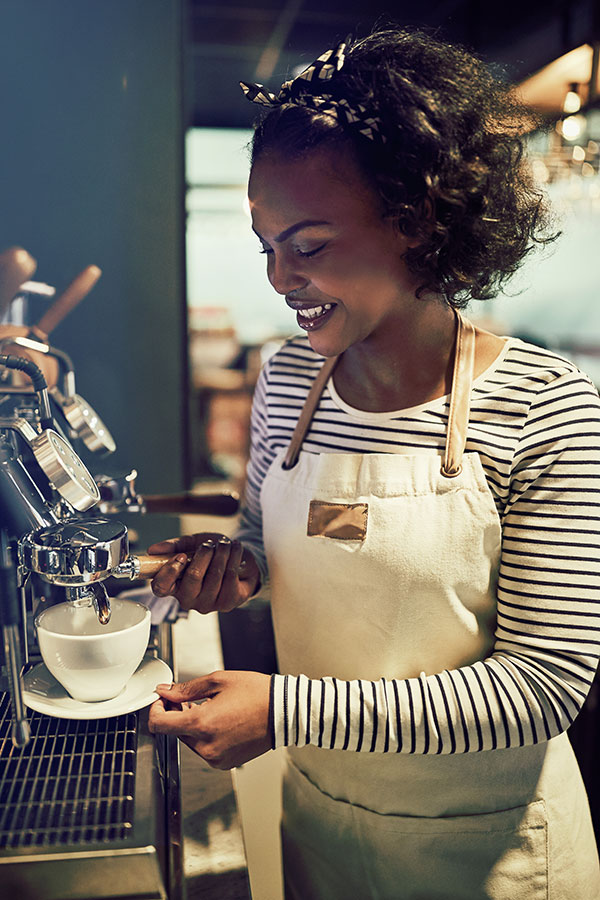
column 88, row 808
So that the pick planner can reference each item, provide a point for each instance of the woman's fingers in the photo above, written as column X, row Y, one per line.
column 211, row 587
column 229, row 595
column 187, row 543
column 195, row 689
column 163, row 718
column 195, row 590
column 164, row 547
column 210, row 580
column 230, row 728
column 176, row 710
column 176, row 578
column 212, row 570
column 164, row 583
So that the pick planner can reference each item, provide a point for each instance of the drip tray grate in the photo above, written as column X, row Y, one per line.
column 72, row 784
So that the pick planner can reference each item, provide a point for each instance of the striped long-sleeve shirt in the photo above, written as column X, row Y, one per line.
column 535, row 423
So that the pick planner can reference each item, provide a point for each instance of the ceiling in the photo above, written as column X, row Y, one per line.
column 264, row 40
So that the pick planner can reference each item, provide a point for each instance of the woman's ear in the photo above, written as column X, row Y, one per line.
column 428, row 206
column 422, row 222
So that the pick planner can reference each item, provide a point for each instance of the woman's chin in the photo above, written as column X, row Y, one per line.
column 325, row 345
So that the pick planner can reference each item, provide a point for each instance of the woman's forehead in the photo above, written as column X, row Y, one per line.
column 321, row 184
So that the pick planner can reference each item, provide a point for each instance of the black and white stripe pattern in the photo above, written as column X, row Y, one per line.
column 535, row 422
column 307, row 90
column 309, row 80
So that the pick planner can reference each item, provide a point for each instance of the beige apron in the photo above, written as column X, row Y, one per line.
column 413, row 594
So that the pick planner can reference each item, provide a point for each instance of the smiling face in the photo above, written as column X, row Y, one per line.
column 330, row 251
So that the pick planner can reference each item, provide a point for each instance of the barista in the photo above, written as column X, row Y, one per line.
column 422, row 497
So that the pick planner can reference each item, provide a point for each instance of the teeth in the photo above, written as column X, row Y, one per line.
column 314, row 311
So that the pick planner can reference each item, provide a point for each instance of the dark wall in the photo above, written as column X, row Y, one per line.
column 91, row 171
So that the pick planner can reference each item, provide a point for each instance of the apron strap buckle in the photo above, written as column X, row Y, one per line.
column 449, row 472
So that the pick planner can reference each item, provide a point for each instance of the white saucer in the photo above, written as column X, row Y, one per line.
column 42, row 692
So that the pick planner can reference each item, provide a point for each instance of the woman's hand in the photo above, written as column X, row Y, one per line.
column 210, row 572
column 228, row 727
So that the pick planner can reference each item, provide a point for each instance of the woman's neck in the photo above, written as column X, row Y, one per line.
column 402, row 366
column 408, row 367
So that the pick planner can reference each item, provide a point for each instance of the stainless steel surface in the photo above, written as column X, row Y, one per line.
column 37, row 289
column 93, row 594
column 84, row 420
column 77, row 551
column 171, row 774
column 42, row 480
column 20, row 365
column 118, row 494
column 12, row 654
column 81, row 416
column 100, row 602
column 32, row 342
column 20, row 426
column 91, row 809
column 11, row 616
column 64, row 470
column 73, row 784
column 21, row 341
column 128, row 569
column 88, row 809
column 21, row 501
column 81, row 811
column 69, row 383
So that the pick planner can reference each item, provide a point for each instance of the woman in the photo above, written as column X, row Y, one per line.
column 429, row 528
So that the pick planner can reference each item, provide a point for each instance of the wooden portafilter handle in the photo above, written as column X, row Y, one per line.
column 144, row 565
column 69, row 299
column 16, row 267
column 149, row 565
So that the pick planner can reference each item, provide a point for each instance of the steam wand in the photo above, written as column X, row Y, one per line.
column 10, row 619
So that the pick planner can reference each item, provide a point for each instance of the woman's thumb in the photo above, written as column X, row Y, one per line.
column 196, row 689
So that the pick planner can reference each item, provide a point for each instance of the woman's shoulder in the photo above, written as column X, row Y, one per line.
column 293, row 360
column 532, row 367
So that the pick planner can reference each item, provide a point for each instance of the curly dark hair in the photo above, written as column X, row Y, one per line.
column 451, row 171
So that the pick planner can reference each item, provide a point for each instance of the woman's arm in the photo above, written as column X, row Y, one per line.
column 548, row 624
column 208, row 571
column 249, row 532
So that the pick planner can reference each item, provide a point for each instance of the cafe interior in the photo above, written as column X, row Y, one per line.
column 130, row 275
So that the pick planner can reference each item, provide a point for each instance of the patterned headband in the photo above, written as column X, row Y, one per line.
column 305, row 90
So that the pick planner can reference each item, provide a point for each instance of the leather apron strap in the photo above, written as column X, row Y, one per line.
column 460, row 402
column 305, row 418
column 460, row 397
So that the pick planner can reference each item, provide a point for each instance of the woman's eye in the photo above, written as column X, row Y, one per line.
column 305, row 254
column 308, row 253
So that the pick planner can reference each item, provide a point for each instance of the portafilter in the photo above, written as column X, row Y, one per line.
column 80, row 553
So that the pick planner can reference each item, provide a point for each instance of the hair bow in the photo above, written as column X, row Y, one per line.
column 306, row 90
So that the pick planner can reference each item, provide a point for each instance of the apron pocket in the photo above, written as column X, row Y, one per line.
column 335, row 850
column 486, row 856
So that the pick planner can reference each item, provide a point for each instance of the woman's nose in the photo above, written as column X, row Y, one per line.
column 284, row 275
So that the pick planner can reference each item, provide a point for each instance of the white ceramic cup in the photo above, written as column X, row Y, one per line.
column 93, row 661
